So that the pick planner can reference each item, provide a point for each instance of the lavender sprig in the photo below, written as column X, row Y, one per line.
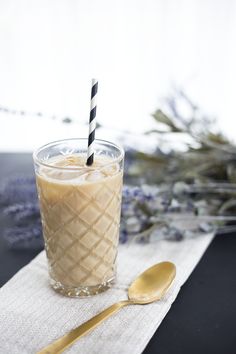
column 24, row 237
column 17, row 190
column 24, row 212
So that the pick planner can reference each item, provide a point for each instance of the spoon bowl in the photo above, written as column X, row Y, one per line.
column 152, row 284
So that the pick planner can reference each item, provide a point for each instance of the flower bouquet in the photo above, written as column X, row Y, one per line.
column 184, row 187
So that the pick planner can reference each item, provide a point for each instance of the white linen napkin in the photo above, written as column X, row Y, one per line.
column 32, row 315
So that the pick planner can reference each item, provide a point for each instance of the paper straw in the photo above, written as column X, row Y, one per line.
column 92, row 122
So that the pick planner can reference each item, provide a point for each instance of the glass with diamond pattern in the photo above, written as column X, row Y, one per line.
column 80, row 212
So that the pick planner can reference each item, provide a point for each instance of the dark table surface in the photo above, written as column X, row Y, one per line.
column 201, row 320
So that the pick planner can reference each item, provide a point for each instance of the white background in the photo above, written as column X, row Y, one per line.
column 138, row 49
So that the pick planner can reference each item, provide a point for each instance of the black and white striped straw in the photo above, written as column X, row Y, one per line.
column 92, row 122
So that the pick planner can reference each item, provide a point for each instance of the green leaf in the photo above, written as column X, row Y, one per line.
column 161, row 117
column 217, row 138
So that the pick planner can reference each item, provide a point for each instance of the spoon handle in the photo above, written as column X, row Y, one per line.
column 68, row 339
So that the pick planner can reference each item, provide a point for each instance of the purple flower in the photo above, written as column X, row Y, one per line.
column 24, row 237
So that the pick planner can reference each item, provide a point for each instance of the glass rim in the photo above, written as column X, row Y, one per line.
column 57, row 142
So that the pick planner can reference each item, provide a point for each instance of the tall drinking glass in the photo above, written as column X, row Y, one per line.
column 80, row 212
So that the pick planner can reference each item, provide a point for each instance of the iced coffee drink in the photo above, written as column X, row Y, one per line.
column 80, row 211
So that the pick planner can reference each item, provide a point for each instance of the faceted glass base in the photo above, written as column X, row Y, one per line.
column 81, row 291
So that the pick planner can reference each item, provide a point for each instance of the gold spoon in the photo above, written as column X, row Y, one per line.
column 150, row 286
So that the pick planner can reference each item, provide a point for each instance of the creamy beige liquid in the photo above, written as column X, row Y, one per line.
column 80, row 213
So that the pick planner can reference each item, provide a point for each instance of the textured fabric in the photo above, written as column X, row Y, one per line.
column 32, row 315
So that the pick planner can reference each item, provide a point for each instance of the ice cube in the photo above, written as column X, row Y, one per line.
column 110, row 169
column 94, row 176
